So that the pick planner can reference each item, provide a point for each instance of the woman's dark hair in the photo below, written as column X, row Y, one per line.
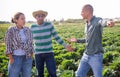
column 16, row 17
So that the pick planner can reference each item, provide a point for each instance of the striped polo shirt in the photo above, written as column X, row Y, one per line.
column 42, row 37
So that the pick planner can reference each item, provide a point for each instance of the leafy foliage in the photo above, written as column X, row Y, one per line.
column 67, row 62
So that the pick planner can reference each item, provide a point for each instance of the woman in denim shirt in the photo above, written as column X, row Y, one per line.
column 19, row 49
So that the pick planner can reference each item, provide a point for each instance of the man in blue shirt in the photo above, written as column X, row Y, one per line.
column 93, row 54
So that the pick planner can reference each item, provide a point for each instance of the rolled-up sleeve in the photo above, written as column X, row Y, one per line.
column 8, row 42
column 81, row 40
column 103, row 22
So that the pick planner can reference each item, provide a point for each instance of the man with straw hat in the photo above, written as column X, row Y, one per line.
column 42, row 36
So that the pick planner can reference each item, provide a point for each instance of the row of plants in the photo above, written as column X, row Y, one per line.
column 67, row 62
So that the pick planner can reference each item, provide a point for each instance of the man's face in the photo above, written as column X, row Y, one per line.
column 40, row 18
column 84, row 13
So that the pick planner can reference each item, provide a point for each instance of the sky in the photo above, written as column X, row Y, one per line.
column 58, row 9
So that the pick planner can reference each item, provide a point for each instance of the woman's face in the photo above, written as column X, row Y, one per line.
column 21, row 21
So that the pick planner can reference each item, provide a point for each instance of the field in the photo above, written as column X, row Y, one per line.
column 67, row 62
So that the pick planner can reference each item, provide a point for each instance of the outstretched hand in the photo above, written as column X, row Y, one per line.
column 69, row 48
column 72, row 39
column 110, row 23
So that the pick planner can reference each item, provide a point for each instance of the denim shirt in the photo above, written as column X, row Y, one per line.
column 93, row 39
column 13, row 40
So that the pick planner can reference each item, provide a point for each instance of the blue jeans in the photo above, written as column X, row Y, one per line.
column 90, row 61
column 21, row 66
column 48, row 58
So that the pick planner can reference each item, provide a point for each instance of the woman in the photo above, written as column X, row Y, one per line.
column 19, row 49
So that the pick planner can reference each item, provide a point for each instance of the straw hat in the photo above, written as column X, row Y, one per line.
column 39, row 12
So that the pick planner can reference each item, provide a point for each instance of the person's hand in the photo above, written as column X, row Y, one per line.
column 110, row 23
column 72, row 39
column 69, row 48
column 30, row 55
column 11, row 59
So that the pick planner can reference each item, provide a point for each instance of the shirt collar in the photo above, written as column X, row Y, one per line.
column 22, row 28
column 91, row 20
column 41, row 24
